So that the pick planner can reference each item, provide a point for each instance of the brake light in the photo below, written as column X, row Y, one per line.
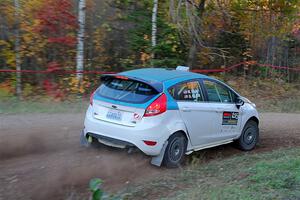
column 157, row 107
column 150, row 143
column 91, row 98
column 122, row 77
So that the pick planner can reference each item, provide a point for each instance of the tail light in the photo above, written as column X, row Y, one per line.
column 150, row 143
column 157, row 107
column 91, row 98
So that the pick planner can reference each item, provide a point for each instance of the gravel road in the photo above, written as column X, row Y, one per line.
column 40, row 155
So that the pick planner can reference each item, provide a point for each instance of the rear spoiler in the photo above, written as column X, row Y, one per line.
column 158, row 86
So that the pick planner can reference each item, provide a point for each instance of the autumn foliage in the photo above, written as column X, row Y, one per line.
column 200, row 33
column 57, row 22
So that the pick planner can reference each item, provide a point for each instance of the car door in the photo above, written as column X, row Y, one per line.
column 228, row 116
column 196, row 114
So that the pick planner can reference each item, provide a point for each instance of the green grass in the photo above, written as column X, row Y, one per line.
column 14, row 106
column 274, row 175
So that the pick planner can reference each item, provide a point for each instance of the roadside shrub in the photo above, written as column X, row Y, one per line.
column 98, row 193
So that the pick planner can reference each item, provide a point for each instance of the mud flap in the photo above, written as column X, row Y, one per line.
column 83, row 140
column 157, row 160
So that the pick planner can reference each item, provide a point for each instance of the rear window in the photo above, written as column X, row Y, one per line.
column 130, row 91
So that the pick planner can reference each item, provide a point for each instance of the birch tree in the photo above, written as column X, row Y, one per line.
column 80, row 38
column 154, row 25
column 17, row 48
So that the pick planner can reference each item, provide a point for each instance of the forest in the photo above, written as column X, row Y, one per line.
column 45, row 43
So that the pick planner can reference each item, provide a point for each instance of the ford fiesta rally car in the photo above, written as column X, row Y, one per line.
column 168, row 113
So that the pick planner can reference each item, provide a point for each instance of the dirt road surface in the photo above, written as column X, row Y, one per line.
column 40, row 156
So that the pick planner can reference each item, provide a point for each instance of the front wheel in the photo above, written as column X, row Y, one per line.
column 175, row 151
column 249, row 136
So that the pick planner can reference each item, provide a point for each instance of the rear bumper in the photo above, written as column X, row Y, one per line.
column 111, row 141
column 119, row 136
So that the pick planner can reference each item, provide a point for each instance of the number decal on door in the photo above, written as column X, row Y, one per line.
column 230, row 118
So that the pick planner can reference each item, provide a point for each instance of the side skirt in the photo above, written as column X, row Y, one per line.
column 197, row 148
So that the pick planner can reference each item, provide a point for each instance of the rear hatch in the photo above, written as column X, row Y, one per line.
column 123, row 100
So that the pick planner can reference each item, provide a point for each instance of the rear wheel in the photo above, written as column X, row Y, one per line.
column 175, row 150
column 249, row 136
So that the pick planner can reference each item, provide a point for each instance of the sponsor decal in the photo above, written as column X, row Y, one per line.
column 136, row 116
column 230, row 118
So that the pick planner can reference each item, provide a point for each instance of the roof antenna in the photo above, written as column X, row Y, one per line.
column 183, row 68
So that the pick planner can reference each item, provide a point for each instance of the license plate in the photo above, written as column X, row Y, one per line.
column 114, row 115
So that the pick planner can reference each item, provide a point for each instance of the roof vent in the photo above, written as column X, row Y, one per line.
column 183, row 68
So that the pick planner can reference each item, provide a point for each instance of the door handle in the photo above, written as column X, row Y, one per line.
column 186, row 109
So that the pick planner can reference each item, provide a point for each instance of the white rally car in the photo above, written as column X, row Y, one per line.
column 168, row 113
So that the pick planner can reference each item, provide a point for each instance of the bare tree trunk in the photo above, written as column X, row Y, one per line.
column 154, row 25
column 172, row 11
column 194, row 29
column 193, row 43
column 17, row 49
column 286, row 50
column 80, row 39
column 192, row 54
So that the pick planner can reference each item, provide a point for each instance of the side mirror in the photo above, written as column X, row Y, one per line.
column 239, row 102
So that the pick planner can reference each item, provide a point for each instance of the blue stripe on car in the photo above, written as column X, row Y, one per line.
column 156, row 76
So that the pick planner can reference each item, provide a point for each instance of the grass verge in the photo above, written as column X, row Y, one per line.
column 288, row 105
column 15, row 106
column 274, row 175
column 269, row 95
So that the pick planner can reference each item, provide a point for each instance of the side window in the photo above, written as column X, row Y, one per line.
column 188, row 91
column 218, row 93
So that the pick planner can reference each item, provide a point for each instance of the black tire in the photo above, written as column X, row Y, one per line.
column 249, row 136
column 175, row 151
